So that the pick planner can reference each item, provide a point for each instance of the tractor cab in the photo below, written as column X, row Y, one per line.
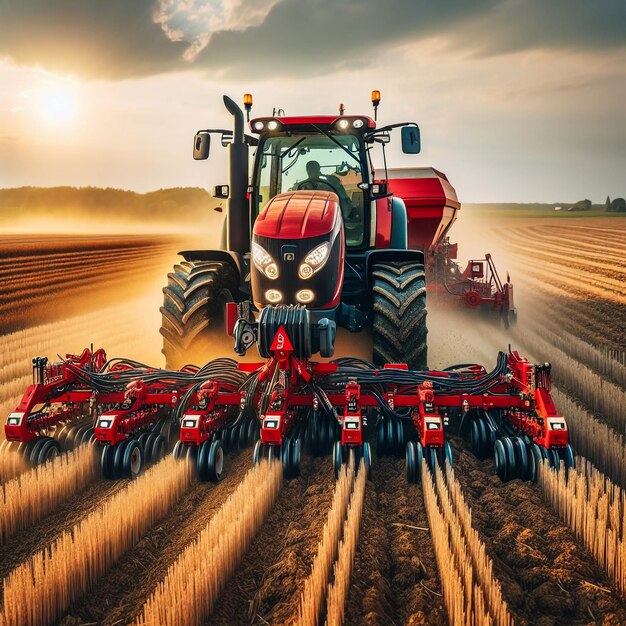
column 321, row 153
column 325, row 153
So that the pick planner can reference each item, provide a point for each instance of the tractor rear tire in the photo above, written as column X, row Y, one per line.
column 399, row 329
column 193, row 309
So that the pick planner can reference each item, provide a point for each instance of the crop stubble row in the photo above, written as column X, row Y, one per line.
column 593, row 507
column 188, row 593
column 40, row 589
column 472, row 594
column 29, row 497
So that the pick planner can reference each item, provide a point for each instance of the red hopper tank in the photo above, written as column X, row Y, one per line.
column 431, row 203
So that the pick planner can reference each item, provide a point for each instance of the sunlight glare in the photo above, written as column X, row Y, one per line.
column 59, row 106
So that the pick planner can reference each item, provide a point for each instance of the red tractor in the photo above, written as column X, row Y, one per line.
column 315, row 224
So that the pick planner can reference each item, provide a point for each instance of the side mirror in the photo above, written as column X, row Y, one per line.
column 201, row 146
column 221, row 191
column 411, row 142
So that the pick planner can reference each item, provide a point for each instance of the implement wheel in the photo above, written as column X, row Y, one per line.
column 107, row 462
column 337, row 458
column 210, row 461
column 48, row 451
column 133, row 459
column 193, row 309
column 414, row 457
column 515, row 458
column 399, row 329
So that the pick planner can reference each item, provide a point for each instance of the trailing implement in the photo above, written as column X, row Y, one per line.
column 293, row 404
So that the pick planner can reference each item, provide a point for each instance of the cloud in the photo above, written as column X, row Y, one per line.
column 320, row 36
column 110, row 39
column 195, row 21
column 517, row 25
column 300, row 37
column 117, row 39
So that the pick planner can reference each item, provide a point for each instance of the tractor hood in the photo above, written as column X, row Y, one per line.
column 298, row 215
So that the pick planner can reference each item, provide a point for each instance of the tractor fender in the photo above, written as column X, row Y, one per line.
column 223, row 256
column 389, row 254
column 399, row 234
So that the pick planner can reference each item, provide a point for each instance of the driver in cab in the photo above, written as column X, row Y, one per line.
column 317, row 180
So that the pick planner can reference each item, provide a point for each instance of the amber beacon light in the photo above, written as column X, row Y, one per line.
column 375, row 101
column 247, row 103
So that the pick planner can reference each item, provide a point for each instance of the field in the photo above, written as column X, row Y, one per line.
column 45, row 280
column 255, row 549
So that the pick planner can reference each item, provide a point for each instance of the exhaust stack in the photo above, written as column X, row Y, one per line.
column 238, row 218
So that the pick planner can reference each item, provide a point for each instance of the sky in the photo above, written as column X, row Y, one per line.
column 517, row 100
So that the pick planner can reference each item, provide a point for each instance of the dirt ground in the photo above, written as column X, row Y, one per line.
column 547, row 576
column 395, row 575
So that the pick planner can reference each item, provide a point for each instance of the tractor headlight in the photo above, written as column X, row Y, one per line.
column 264, row 262
column 259, row 125
column 343, row 124
column 304, row 296
column 314, row 261
column 273, row 296
column 358, row 123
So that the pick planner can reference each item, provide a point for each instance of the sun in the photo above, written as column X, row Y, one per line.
column 59, row 106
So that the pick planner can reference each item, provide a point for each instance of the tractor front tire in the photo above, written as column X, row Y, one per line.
column 399, row 308
column 194, row 301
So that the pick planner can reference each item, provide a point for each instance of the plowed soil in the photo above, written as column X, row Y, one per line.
column 573, row 269
column 547, row 577
column 46, row 278
column 120, row 594
column 395, row 575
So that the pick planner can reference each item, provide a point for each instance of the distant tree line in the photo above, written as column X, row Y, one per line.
column 614, row 206
column 618, row 205
column 183, row 205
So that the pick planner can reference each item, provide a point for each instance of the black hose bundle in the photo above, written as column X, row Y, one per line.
column 107, row 380
column 458, row 380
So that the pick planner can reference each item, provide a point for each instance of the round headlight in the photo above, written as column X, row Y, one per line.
column 343, row 124
column 358, row 123
column 271, row 271
column 304, row 296
column 273, row 296
column 259, row 125
column 273, row 125
column 305, row 271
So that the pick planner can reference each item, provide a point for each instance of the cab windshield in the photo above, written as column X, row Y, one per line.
column 315, row 161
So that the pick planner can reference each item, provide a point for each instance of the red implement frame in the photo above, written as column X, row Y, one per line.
column 522, row 394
